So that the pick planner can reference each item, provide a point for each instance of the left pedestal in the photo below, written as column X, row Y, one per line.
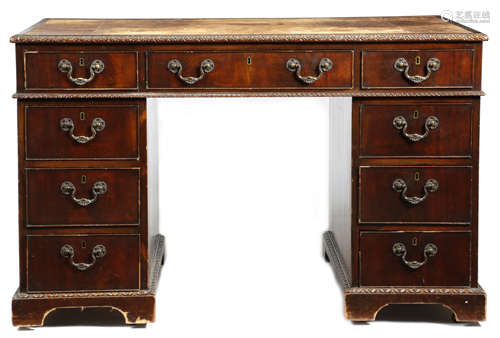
column 88, row 209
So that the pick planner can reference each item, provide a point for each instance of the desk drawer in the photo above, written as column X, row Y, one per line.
column 413, row 195
column 415, row 258
column 82, row 131
column 414, row 130
column 88, row 197
column 425, row 68
column 86, row 262
column 250, row 69
column 77, row 70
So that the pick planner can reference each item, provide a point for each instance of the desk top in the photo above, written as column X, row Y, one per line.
column 363, row 29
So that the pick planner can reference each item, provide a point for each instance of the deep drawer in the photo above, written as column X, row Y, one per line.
column 86, row 262
column 440, row 195
column 91, row 197
column 413, row 130
column 82, row 131
column 451, row 68
column 415, row 258
column 249, row 69
column 88, row 70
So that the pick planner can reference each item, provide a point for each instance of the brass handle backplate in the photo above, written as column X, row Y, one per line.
column 399, row 249
column 68, row 252
column 67, row 124
column 399, row 185
column 99, row 188
column 402, row 65
column 294, row 65
column 431, row 123
column 175, row 66
column 65, row 66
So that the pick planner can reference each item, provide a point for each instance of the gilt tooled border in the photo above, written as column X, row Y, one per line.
column 223, row 38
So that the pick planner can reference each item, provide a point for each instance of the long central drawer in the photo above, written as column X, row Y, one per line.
column 276, row 69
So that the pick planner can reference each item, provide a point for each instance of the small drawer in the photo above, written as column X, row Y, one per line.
column 414, row 195
column 276, row 69
column 83, row 262
column 78, row 70
column 415, row 130
column 452, row 68
column 88, row 197
column 82, row 132
column 414, row 258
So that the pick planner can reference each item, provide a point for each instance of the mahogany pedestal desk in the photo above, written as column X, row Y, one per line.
column 404, row 183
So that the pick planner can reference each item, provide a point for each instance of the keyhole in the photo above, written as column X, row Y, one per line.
column 417, row 60
column 84, row 179
column 84, row 244
column 82, row 115
column 81, row 62
column 415, row 114
column 417, row 176
column 414, row 241
column 249, row 60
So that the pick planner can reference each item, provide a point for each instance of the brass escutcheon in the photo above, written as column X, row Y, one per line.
column 249, row 60
column 416, row 176
column 414, row 241
column 82, row 116
column 81, row 62
column 415, row 114
column 417, row 60
column 84, row 179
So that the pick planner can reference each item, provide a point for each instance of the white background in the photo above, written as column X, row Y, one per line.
column 244, row 192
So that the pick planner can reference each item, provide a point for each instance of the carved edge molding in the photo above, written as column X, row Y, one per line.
column 114, row 95
column 24, row 38
column 336, row 261
column 159, row 250
column 340, row 270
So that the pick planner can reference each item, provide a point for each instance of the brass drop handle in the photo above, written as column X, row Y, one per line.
column 67, row 251
column 67, row 124
column 399, row 185
column 294, row 65
column 399, row 249
column 99, row 188
column 65, row 66
column 175, row 66
column 402, row 65
column 431, row 123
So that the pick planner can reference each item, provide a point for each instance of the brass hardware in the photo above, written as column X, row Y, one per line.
column 175, row 66
column 401, row 65
column 82, row 116
column 399, row 185
column 249, row 60
column 415, row 114
column 414, row 241
column 99, row 188
column 417, row 60
column 84, row 179
column 399, row 249
column 65, row 66
column 84, row 244
column 416, row 176
column 98, row 124
column 431, row 123
column 68, row 252
column 294, row 65
column 81, row 62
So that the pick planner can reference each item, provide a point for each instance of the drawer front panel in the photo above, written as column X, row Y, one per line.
column 412, row 130
column 455, row 69
column 43, row 70
column 440, row 195
column 71, row 197
column 115, row 267
column 250, row 69
column 82, row 132
column 383, row 261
